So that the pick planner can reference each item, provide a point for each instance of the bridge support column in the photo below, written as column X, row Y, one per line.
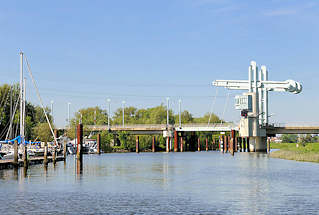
column 181, row 145
column 225, row 147
column 175, row 141
column 258, row 144
column 137, row 146
column 98, row 143
column 247, row 144
column 153, row 144
column 167, row 144
column 206, row 144
column 198, row 144
column 221, row 143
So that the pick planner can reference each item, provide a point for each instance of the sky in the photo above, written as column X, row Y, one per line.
column 143, row 51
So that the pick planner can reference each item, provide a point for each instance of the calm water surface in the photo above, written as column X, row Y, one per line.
column 161, row 183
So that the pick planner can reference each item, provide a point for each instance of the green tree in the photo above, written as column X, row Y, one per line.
column 214, row 119
column 289, row 138
column 42, row 132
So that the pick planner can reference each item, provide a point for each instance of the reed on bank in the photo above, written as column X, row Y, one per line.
column 296, row 151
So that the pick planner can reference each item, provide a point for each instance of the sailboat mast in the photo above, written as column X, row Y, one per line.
column 21, row 99
column 24, row 114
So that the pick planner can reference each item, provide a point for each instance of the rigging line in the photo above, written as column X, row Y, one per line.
column 4, row 97
column 4, row 130
column 212, row 106
column 12, row 117
column 226, row 103
column 39, row 97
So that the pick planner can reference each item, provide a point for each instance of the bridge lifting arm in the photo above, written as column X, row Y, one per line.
column 278, row 86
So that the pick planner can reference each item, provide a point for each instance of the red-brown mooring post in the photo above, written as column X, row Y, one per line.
column 79, row 135
column 137, row 144
column 198, row 144
column 167, row 144
column 181, row 145
column 206, row 144
column 153, row 144
column 213, row 144
column 98, row 144
column 233, row 142
column 175, row 141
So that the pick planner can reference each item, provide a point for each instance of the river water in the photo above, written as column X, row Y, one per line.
column 164, row 183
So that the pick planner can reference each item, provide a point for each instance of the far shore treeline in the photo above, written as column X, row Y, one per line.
column 38, row 129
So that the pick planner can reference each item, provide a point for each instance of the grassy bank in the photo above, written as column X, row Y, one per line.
column 290, row 151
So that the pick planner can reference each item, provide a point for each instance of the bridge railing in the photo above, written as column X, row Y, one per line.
column 295, row 124
column 161, row 126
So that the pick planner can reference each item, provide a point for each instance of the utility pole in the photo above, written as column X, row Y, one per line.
column 108, row 114
column 167, row 112
column 179, row 112
column 123, row 108
column 52, row 111
column 69, row 114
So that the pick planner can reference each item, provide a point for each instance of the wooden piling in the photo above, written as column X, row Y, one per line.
column 54, row 156
column 225, row 143
column 175, row 141
column 213, row 144
column 79, row 132
column 64, row 149
column 15, row 154
column 153, row 144
column 181, row 145
column 198, row 144
column 45, row 155
column 137, row 144
column 167, row 144
column 25, row 155
column 98, row 144
column 206, row 144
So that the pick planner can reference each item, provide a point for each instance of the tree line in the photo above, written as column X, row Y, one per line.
column 132, row 115
column 35, row 120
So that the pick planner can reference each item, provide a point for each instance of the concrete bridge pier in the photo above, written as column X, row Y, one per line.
column 258, row 144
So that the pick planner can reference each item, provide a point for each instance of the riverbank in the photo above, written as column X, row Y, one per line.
column 297, row 152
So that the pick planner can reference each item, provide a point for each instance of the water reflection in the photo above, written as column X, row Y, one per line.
column 153, row 183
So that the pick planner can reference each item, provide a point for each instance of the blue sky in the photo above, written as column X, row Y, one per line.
column 143, row 51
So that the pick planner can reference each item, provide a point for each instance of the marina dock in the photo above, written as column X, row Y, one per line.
column 9, row 164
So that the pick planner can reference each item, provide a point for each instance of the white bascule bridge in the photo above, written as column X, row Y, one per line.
column 254, row 103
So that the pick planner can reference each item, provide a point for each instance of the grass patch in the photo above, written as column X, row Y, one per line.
column 290, row 151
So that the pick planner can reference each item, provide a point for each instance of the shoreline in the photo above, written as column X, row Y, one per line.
column 296, row 152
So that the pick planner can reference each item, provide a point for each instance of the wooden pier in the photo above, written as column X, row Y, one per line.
column 9, row 164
